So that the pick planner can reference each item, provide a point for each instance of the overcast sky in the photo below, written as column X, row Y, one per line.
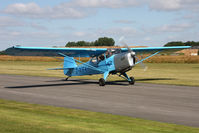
column 55, row 22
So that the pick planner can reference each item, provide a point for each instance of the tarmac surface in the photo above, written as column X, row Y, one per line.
column 164, row 103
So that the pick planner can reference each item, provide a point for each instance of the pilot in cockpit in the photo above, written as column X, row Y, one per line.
column 101, row 57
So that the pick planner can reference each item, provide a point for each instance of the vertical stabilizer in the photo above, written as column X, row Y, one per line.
column 69, row 65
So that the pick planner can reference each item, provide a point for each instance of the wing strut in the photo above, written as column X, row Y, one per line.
column 147, row 57
column 92, row 67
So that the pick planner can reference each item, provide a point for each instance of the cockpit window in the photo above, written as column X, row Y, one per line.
column 112, row 51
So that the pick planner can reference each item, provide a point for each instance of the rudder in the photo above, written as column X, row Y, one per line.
column 69, row 65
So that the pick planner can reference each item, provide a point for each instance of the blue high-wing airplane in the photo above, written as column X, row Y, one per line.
column 104, row 61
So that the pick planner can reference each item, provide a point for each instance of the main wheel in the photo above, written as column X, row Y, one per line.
column 101, row 82
column 132, row 82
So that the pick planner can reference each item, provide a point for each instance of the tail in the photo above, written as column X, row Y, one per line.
column 69, row 65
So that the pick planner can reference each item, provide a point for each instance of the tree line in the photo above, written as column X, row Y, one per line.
column 105, row 41
column 102, row 41
column 180, row 43
column 2, row 52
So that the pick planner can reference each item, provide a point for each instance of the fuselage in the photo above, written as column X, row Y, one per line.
column 121, row 62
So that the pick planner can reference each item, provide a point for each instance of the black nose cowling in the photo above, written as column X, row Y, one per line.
column 124, row 61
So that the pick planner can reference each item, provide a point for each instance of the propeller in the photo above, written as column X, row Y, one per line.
column 142, row 64
column 121, row 40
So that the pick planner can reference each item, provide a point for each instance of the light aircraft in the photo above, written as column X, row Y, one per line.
column 106, row 61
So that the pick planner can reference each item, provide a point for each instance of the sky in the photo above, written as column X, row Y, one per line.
column 56, row 22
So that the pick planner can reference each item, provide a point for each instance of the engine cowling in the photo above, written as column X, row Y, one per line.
column 124, row 61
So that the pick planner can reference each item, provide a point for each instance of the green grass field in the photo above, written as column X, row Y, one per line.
column 16, row 117
column 163, row 73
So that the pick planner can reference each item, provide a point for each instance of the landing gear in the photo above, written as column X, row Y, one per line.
column 101, row 82
column 132, row 81
column 67, row 78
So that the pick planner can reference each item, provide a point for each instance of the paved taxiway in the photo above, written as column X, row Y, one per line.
column 165, row 103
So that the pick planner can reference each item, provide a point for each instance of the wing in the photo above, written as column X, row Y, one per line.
column 47, row 51
column 79, row 52
column 154, row 49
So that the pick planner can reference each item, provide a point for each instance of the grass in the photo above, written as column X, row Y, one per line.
column 17, row 117
column 154, row 59
column 162, row 73
column 35, row 58
column 169, row 73
column 27, row 58
column 173, row 59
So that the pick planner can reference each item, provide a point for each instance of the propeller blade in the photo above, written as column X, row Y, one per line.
column 121, row 40
column 142, row 64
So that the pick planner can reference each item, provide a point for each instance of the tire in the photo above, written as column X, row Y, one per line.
column 132, row 82
column 101, row 82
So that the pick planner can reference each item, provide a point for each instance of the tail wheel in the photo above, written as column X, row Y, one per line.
column 132, row 82
column 67, row 78
column 101, row 82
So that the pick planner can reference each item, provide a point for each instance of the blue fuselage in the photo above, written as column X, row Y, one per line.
column 92, row 67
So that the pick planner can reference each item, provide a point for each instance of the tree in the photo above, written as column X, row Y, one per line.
column 83, row 43
column 71, row 44
column 104, row 41
column 79, row 43
column 177, row 43
column 191, row 43
column 2, row 53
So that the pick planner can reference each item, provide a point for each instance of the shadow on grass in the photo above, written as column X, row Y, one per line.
column 82, row 82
